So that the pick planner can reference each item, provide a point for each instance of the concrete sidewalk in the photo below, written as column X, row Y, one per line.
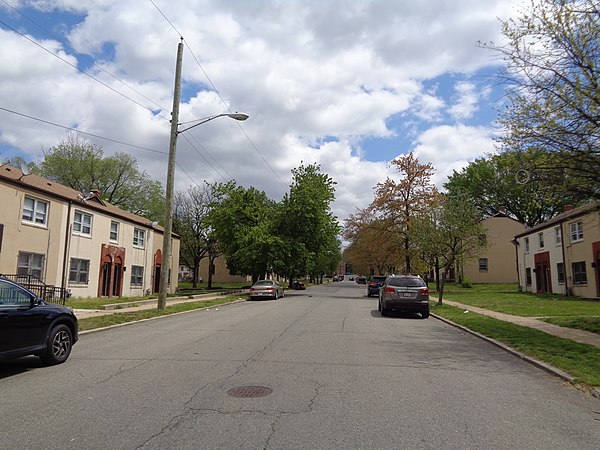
column 581, row 336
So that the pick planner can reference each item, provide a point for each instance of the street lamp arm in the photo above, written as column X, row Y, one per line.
column 235, row 116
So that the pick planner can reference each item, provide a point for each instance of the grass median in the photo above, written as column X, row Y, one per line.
column 116, row 318
column 582, row 361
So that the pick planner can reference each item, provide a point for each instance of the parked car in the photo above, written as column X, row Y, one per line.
column 298, row 285
column 374, row 284
column 361, row 280
column 266, row 289
column 407, row 293
column 335, row 278
column 30, row 326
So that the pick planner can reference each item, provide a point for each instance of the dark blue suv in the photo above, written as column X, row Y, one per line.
column 30, row 326
column 374, row 284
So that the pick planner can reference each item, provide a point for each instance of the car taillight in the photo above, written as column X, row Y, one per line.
column 424, row 291
column 390, row 290
column 372, row 283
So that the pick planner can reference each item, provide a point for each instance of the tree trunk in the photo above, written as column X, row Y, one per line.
column 195, row 271
column 437, row 274
column 210, row 271
column 441, row 289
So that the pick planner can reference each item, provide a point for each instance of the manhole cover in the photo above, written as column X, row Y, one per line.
column 249, row 391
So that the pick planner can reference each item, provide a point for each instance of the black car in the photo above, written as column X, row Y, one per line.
column 374, row 284
column 30, row 326
column 361, row 280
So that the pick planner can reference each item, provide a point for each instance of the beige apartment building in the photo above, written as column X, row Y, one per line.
column 498, row 262
column 76, row 240
column 562, row 255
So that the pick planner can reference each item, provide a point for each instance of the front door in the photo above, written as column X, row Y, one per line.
column 596, row 264
column 105, row 280
column 543, row 279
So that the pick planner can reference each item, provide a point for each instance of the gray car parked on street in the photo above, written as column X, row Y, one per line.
column 404, row 293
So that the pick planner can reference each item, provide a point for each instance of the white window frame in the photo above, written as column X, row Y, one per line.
column 36, row 213
column 558, row 235
column 114, row 231
column 79, row 268
column 29, row 263
column 541, row 240
column 576, row 231
column 139, row 238
column 82, row 227
column 483, row 265
column 137, row 276
column 526, row 244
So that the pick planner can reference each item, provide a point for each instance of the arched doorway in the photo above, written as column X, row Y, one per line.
column 112, row 266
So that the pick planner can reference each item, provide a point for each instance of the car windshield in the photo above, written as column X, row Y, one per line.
column 406, row 282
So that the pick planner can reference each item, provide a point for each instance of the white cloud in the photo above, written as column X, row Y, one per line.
column 316, row 78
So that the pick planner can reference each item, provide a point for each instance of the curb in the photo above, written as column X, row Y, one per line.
column 539, row 364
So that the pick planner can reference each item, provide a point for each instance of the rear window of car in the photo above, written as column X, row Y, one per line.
column 406, row 282
column 377, row 279
column 264, row 283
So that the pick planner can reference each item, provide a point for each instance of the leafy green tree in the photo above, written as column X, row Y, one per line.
column 504, row 181
column 243, row 227
column 449, row 232
column 552, row 57
column 82, row 166
column 307, row 225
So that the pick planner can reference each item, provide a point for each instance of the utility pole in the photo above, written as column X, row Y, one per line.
column 168, row 232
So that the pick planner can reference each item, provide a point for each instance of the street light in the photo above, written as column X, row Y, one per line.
column 168, row 231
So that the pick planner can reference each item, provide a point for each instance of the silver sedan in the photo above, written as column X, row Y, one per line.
column 266, row 289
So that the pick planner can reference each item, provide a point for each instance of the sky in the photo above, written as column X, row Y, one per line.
column 346, row 84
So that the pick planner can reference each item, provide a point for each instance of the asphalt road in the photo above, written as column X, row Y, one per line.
column 341, row 376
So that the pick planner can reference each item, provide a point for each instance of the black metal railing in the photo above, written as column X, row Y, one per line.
column 47, row 292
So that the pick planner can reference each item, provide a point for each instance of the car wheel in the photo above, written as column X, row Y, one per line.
column 384, row 311
column 58, row 348
column 276, row 295
column 425, row 314
column 379, row 305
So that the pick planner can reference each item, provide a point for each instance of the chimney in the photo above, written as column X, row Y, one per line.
column 567, row 208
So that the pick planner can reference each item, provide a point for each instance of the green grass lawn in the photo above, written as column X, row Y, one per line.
column 505, row 298
column 185, row 290
column 91, row 323
column 579, row 360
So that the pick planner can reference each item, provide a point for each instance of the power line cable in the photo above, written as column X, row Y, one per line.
column 66, row 45
column 80, row 70
column 82, row 132
column 216, row 90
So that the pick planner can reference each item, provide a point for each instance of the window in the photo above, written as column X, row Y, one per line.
column 13, row 295
column 560, row 272
column 483, row 264
column 528, row 276
column 557, row 236
column 79, row 271
column 137, row 276
column 541, row 239
column 30, row 264
column 139, row 237
column 526, row 244
column 576, row 230
column 114, row 231
column 579, row 275
column 82, row 223
column 35, row 211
